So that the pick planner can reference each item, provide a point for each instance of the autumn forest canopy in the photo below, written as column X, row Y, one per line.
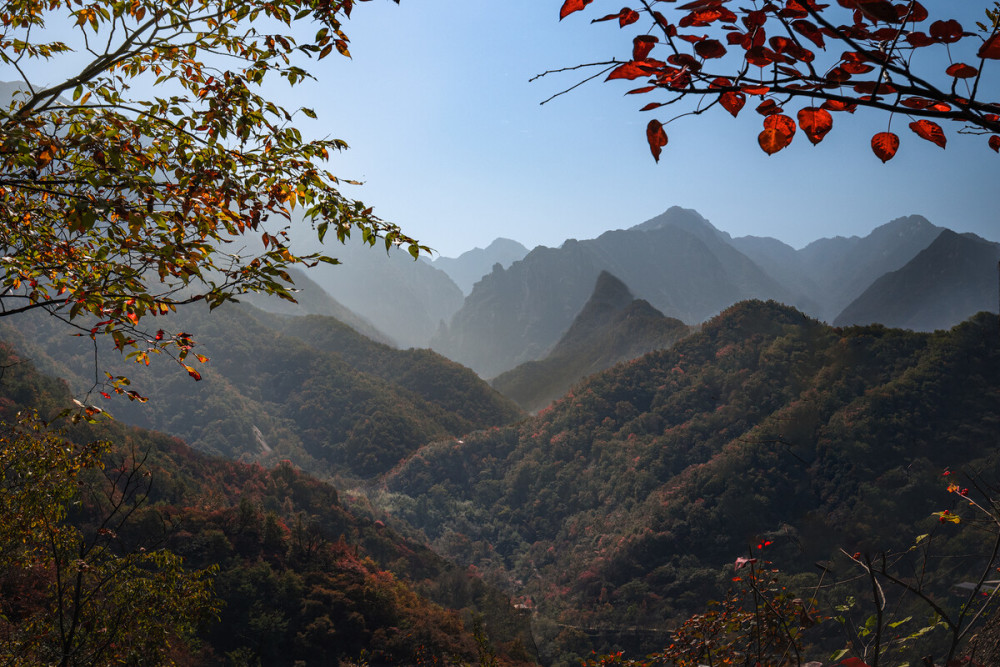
column 662, row 446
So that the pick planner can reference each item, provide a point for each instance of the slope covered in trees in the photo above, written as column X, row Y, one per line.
column 625, row 502
column 311, row 390
column 612, row 327
column 298, row 578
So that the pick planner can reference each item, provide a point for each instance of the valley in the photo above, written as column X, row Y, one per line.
column 567, row 459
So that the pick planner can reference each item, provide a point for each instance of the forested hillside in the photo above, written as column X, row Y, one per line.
column 622, row 504
column 311, row 390
column 297, row 578
column 611, row 327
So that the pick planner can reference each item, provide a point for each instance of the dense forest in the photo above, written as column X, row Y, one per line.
column 625, row 503
column 276, row 570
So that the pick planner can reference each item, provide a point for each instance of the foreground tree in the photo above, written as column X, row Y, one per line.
column 117, row 206
column 818, row 58
column 85, row 597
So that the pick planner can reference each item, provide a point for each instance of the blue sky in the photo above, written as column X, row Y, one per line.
column 448, row 135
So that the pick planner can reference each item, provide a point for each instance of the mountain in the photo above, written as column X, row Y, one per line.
column 470, row 266
column 302, row 578
column 842, row 268
column 954, row 276
column 624, row 505
column 786, row 265
column 313, row 300
column 683, row 269
column 405, row 298
column 311, row 390
column 612, row 327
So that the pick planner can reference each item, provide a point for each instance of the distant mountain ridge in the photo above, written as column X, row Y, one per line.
column 405, row 298
column 308, row 389
column 686, row 268
column 311, row 299
column 469, row 267
column 954, row 275
column 518, row 314
column 611, row 327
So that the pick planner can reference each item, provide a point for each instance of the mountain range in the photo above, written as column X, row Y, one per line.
column 687, row 269
column 469, row 267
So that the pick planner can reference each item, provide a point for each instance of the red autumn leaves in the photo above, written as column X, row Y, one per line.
column 779, row 129
column 874, row 71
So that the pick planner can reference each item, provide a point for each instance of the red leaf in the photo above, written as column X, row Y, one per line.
column 837, row 105
column 192, row 372
column 930, row 131
column 870, row 87
column 962, row 71
column 885, row 145
column 853, row 662
column 917, row 102
column 732, row 102
column 627, row 17
column 768, row 108
column 990, row 48
column 571, row 6
column 918, row 39
column 642, row 45
column 651, row 106
column 809, row 31
column 876, row 10
column 857, row 68
column 656, row 137
column 772, row 140
column 629, row 71
column 782, row 123
column 755, row 90
column 742, row 562
column 995, row 142
column 710, row 48
column 917, row 12
column 815, row 123
column 949, row 31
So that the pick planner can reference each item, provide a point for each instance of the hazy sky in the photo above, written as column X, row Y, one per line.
column 448, row 135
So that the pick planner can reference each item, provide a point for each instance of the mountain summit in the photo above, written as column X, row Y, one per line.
column 612, row 327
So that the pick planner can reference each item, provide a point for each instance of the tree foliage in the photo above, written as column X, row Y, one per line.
column 77, row 596
column 819, row 58
column 155, row 171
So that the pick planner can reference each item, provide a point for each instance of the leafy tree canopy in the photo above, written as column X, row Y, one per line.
column 120, row 207
column 821, row 58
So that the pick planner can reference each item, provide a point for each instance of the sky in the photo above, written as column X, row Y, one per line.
column 448, row 134
column 452, row 143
